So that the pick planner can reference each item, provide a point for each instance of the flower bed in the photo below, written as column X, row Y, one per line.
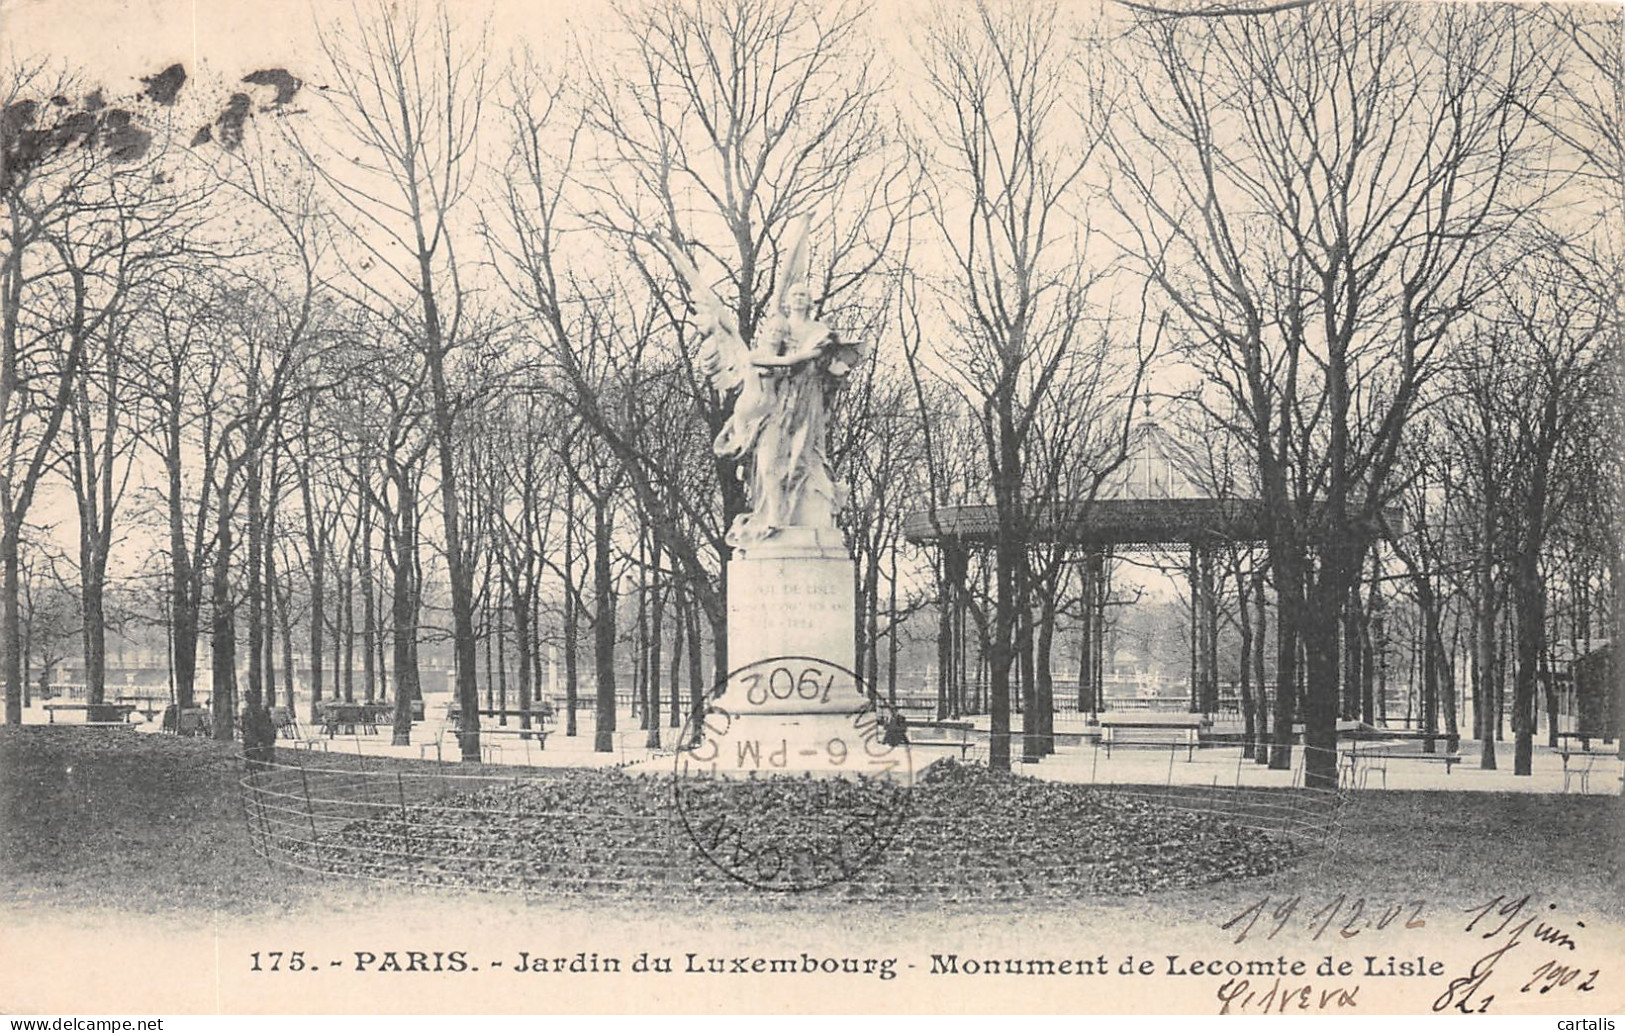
column 963, row 833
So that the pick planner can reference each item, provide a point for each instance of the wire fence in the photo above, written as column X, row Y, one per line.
column 958, row 832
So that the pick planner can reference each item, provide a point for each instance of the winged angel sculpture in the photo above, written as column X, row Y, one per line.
column 782, row 383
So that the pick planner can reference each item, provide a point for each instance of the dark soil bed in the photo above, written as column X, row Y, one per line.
column 961, row 833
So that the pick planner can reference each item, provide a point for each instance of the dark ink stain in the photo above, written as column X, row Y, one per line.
column 124, row 140
column 166, row 85
column 286, row 83
column 232, row 119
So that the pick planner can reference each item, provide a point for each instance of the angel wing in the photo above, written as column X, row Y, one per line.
column 722, row 353
column 699, row 294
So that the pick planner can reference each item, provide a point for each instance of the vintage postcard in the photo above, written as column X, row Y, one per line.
column 803, row 506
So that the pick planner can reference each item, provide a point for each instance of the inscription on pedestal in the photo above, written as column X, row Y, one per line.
column 790, row 606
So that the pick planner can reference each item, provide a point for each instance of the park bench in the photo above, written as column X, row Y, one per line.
column 101, row 714
column 953, row 735
column 490, row 751
column 1349, row 729
column 336, row 714
column 148, row 706
column 379, row 713
column 348, row 717
column 1449, row 760
column 190, row 721
column 915, row 704
column 384, row 713
column 493, row 750
column 52, row 708
column 538, row 716
column 1153, row 730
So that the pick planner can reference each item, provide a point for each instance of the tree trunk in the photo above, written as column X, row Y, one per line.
column 316, row 564
column 679, row 624
column 1044, row 696
column 1210, row 635
column 657, row 613
column 1321, row 686
column 1549, row 686
column 276, row 612
column 870, row 614
column 1086, row 634
column 696, row 669
column 945, row 636
column 1031, row 747
column 490, row 667
column 183, row 599
column 254, row 591
column 1262, row 754
column 1010, row 555
column 1288, row 607
column 94, row 629
column 223, row 644
column 346, row 633
column 571, row 621
column 1245, row 624
column 523, row 644
column 1194, row 669
column 1530, row 602
column 369, row 612
column 1614, row 672
column 603, row 526
column 571, row 662
column 1353, row 652
column 268, row 609
column 1484, row 691
column 283, row 612
column 403, row 615
column 1368, row 653
column 640, row 652
column 11, row 631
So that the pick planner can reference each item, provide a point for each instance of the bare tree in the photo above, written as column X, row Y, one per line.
column 408, row 94
column 1315, row 193
column 89, row 211
column 1014, row 120
column 99, row 460
column 1539, row 366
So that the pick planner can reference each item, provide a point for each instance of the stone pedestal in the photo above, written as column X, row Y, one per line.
column 792, row 596
column 792, row 703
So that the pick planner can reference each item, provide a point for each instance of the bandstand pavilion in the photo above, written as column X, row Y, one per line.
column 1156, row 500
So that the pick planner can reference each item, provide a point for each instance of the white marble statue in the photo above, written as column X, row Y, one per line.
column 783, row 383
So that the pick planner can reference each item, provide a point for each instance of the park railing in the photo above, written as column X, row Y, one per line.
column 609, row 833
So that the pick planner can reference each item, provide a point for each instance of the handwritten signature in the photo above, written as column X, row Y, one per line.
column 1518, row 923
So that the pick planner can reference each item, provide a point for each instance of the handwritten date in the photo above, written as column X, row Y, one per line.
column 1348, row 917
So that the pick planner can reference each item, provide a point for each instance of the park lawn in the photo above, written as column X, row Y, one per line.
column 153, row 824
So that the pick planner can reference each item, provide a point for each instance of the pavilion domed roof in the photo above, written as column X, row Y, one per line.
column 1159, row 466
